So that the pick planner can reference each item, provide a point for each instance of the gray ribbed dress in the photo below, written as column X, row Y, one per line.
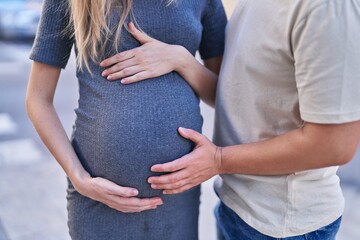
column 122, row 130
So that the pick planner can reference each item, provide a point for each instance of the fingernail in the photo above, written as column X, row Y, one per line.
column 153, row 186
column 109, row 77
column 183, row 129
column 103, row 74
column 135, row 192
column 153, row 168
column 165, row 192
column 123, row 81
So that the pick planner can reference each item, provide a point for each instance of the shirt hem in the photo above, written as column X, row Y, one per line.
column 330, row 118
column 229, row 201
column 61, row 65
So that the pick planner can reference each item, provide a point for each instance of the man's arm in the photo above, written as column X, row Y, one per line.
column 310, row 147
column 313, row 146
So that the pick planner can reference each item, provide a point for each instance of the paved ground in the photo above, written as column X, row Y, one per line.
column 32, row 185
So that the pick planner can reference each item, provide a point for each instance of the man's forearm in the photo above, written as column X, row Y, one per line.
column 313, row 146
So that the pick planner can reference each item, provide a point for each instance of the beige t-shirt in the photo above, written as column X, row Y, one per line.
column 286, row 62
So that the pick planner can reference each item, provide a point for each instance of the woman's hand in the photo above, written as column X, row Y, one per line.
column 120, row 198
column 152, row 59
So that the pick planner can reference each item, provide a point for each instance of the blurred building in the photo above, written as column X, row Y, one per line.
column 19, row 18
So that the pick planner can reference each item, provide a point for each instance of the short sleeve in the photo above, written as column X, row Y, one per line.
column 53, row 41
column 213, row 35
column 327, row 63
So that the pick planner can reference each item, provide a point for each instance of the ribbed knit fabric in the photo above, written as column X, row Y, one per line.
column 122, row 130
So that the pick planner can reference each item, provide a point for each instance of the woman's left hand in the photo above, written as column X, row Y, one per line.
column 152, row 59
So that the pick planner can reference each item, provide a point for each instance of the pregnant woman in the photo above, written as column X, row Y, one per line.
column 121, row 130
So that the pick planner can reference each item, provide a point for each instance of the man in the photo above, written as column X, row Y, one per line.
column 287, row 114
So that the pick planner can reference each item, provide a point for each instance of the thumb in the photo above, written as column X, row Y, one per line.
column 138, row 35
column 192, row 135
column 115, row 189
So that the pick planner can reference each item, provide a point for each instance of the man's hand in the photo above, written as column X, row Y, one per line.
column 201, row 164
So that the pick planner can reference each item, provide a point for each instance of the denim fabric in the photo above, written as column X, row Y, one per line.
column 231, row 227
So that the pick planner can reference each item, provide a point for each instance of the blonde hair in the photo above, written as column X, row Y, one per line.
column 89, row 20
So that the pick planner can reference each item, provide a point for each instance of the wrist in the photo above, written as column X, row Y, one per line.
column 180, row 61
column 79, row 180
column 219, row 160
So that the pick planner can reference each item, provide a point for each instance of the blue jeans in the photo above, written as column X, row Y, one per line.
column 231, row 227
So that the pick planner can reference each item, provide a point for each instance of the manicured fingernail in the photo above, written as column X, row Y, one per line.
column 184, row 130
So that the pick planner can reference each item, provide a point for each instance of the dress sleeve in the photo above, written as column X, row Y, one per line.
column 327, row 63
column 53, row 41
column 213, row 35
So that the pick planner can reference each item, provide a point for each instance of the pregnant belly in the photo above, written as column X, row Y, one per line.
column 123, row 131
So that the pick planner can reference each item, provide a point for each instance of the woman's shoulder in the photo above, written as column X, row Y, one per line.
column 57, row 7
column 53, row 40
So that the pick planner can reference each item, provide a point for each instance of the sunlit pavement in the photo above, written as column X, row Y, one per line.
column 32, row 185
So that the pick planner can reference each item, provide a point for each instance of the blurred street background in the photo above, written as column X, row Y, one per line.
column 32, row 185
